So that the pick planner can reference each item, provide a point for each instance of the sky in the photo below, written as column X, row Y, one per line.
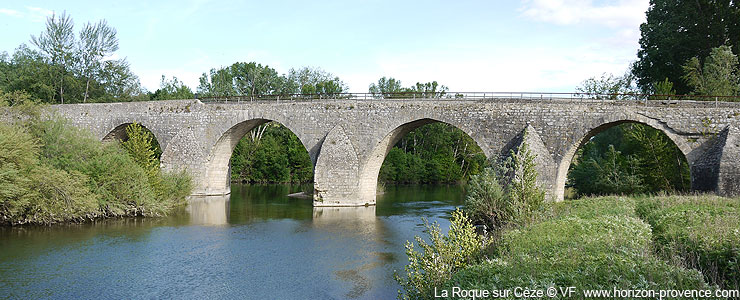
column 469, row 46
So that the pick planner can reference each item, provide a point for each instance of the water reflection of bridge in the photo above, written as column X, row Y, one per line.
column 214, row 210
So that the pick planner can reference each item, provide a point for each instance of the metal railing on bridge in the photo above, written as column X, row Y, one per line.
column 462, row 96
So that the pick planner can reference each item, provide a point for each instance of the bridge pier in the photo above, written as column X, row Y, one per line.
column 717, row 167
column 337, row 173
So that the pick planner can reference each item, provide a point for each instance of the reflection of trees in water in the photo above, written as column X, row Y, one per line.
column 265, row 202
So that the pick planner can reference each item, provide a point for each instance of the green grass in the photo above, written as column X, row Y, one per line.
column 701, row 232
column 592, row 243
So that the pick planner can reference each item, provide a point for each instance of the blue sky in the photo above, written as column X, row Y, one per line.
column 528, row 45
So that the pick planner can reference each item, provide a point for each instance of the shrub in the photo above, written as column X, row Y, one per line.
column 506, row 194
column 53, row 172
column 33, row 192
column 439, row 259
column 595, row 253
column 701, row 232
column 486, row 200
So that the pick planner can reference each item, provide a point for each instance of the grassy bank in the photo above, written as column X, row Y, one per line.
column 596, row 243
column 52, row 172
column 697, row 232
column 649, row 243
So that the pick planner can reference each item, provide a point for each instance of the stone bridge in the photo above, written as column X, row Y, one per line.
column 348, row 140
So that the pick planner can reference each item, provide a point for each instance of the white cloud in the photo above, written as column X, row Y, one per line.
column 10, row 12
column 614, row 14
column 511, row 69
column 37, row 14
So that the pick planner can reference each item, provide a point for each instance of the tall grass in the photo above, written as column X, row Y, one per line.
column 590, row 243
column 701, row 232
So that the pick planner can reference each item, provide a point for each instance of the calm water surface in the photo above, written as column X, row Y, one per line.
column 256, row 244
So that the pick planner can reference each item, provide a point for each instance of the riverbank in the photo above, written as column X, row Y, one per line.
column 52, row 172
column 645, row 243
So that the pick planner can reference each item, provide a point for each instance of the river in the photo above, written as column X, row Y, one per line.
column 256, row 243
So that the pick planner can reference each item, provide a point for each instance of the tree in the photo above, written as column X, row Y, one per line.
column 608, row 85
column 58, row 42
column 676, row 31
column 140, row 147
column 96, row 42
column 309, row 80
column 718, row 77
column 525, row 193
column 171, row 89
column 242, row 79
column 386, row 88
column 428, row 90
column 118, row 83
column 664, row 87
column 65, row 69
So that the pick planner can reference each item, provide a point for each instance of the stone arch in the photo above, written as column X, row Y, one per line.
column 602, row 125
column 216, row 174
column 368, row 176
column 118, row 133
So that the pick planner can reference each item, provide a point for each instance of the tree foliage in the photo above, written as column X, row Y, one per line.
column 608, row 86
column 171, row 89
column 68, row 69
column 676, row 31
column 719, row 75
column 628, row 159
column 433, row 153
column 52, row 172
column 271, row 153
column 506, row 194
column 387, row 88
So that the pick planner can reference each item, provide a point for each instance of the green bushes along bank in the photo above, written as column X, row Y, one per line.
column 52, row 172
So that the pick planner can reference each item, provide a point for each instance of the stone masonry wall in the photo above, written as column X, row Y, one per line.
column 192, row 133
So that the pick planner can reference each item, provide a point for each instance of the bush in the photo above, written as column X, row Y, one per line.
column 33, row 192
column 506, row 194
column 487, row 201
column 595, row 253
column 439, row 259
column 52, row 172
column 701, row 232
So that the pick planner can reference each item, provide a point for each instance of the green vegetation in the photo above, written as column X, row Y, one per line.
column 697, row 232
column 629, row 159
column 680, row 243
column 718, row 76
column 52, row 172
column 677, row 31
column 440, row 258
column 506, row 195
column 69, row 68
column 687, row 242
column 433, row 153
column 271, row 153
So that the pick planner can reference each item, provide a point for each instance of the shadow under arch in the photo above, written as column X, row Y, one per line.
column 371, row 168
column 567, row 159
column 217, row 167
